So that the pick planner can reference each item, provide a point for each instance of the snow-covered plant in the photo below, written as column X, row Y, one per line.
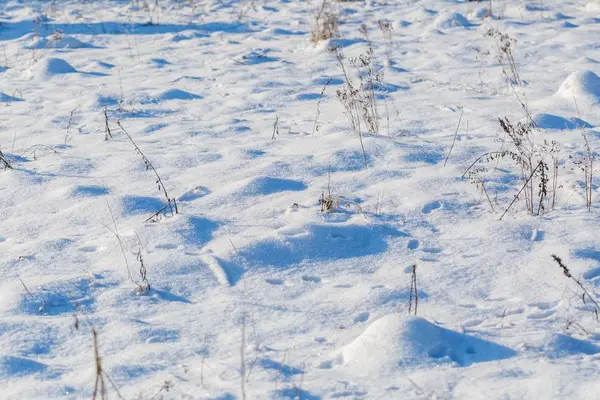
column 387, row 30
column 505, row 56
column 530, row 161
column 325, row 23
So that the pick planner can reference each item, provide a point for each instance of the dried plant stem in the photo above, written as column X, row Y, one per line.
column 414, row 292
column 568, row 274
column 275, row 128
column 525, row 185
column 316, row 126
column 5, row 161
column 243, row 359
column 69, row 123
column 116, row 233
column 107, row 132
column 490, row 155
column 171, row 202
column 487, row 195
column 100, row 384
column 455, row 135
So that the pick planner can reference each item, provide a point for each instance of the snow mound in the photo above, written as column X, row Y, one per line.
column 549, row 121
column 49, row 67
column 592, row 8
column 581, row 85
column 59, row 42
column 450, row 20
column 167, row 95
column 176, row 94
column 399, row 340
column 559, row 345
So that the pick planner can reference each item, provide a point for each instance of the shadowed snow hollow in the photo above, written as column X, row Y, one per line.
column 559, row 345
column 549, row 121
column 398, row 340
column 581, row 86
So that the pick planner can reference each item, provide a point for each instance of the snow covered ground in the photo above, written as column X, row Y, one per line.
column 254, row 291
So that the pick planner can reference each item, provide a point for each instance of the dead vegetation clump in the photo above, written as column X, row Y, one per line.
column 531, row 163
column 505, row 55
column 358, row 95
column 325, row 24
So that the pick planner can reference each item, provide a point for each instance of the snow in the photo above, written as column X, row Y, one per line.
column 581, row 85
column 237, row 111
column 48, row 67
column 398, row 341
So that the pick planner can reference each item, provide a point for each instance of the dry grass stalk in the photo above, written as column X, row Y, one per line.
column 5, row 161
column 387, row 30
column 171, row 204
column 316, row 126
column 107, row 131
column 455, row 136
column 414, row 292
column 359, row 98
column 102, row 376
column 275, row 128
column 586, row 294
column 325, row 24
column 505, row 47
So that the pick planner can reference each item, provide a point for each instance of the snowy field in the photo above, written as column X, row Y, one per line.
column 281, row 264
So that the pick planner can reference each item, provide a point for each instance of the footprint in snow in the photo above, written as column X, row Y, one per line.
column 313, row 279
column 362, row 317
column 275, row 282
column 86, row 249
column 432, row 206
column 413, row 244
column 166, row 246
column 194, row 193
column 343, row 286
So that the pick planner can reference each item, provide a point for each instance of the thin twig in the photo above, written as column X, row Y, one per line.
column 116, row 233
column 522, row 188
column 275, row 128
column 5, row 161
column 316, row 127
column 243, row 359
column 161, row 186
column 568, row 274
column 455, row 135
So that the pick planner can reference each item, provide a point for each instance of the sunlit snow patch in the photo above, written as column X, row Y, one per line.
column 582, row 86
column 48, row 67
column 398, row 340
